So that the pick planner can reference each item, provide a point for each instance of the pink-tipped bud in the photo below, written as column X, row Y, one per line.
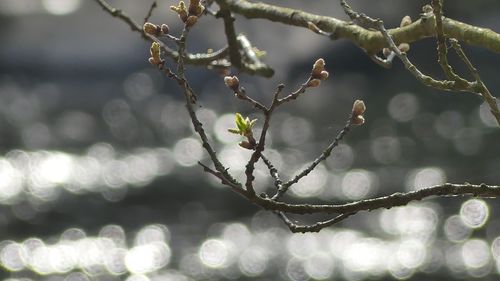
column 313, row 83
column 232, row 82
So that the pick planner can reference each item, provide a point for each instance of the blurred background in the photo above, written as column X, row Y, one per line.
column 98, row 168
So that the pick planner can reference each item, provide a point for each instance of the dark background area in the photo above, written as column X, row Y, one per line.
column 98, row 173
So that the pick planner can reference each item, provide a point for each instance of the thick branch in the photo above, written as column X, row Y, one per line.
column 371, row 41
column 385, row 202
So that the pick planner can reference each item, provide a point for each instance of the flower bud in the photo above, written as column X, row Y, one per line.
column 165, row 29
column 358, row 120
column 191, row 20
column 181, row 10
column 155, row 52
column 151, row 29
column 404, row 47
column 195, row 8
column 324, row 75
column 358, row 108
column 319, row 65
column 313, row 83
column 406, row 20
column 246, row 144
column 232, row 82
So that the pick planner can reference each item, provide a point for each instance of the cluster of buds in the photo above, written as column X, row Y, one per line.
column 318, row 73
column 155, row 52
column 189, row 15
column 232, row 82
column 244, row 128
column 358, row 108
column 155, row 30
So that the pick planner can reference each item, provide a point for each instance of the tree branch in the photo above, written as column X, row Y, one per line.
column 384, row 202
column 370, row 41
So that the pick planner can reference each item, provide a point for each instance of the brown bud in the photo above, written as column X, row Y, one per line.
column 358, row 120
column 152, row 61
column 406, row 20
column 358, row 108
column 404, row 47
column 191, row 20
column 232, row 82
column 324, row 75
column 246, row 144
column 165, row 29
column 318, row 67
column 195, row 8
column 386, row 52
column 313, row 83
column 151, row 29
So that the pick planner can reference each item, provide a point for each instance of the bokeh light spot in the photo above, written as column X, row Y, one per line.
column 403, row 107
column 214, row 253
column 474, row 213
column 188, row 152
column 61, row 7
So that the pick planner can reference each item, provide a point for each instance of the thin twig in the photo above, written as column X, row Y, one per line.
column 442, row 49
column 249, row 168
column 150, row 11
column 482, row 89
column 315, row 163
column 296, row 94
column 316, row 227
column 190, row 98
column 272, row 171
column 242, row 95
column 236, row 187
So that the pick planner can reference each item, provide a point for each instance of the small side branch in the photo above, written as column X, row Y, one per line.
column 316, row 227
column 327, row 152
column 479, row 85
column 278, row 183
column 262, row 141
column 442, row 49
column 150, row 11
